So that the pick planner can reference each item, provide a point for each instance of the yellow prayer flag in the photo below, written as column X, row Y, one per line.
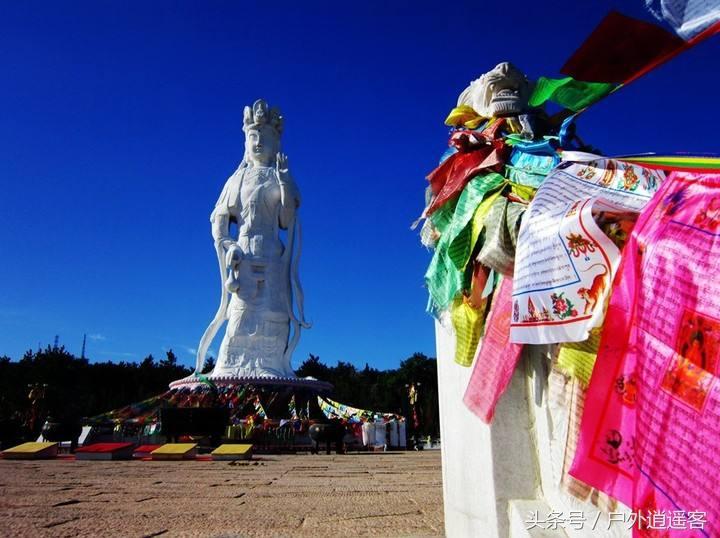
column 577, row 359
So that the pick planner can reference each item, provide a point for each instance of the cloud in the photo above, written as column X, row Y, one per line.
column 193, row 351
column 119, row 354
column 97, row 337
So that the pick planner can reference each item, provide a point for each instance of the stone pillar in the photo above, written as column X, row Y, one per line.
column 495, row 475
column 484, row 466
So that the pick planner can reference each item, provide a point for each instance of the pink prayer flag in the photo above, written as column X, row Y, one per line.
column 496, row 359
column 650, row 433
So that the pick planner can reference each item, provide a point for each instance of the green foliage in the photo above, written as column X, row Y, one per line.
column 382, row 391
column 312, row 367
column 208, row 365
column 170, row 359
column 76, row 388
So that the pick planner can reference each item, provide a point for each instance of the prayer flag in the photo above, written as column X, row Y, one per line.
column 445, row 275
column 468, row 324
column 620, row 49
column 565, row 262
column 501, row 229
column 687, row 17
column 464, row 115
column 577, row 359
column 676, row 162
column 568, row 92
column 449, row 179
column 649, row 434
column 496, row 359
column 259, row 409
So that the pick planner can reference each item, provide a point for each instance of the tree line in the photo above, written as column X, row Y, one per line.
column 74, row 387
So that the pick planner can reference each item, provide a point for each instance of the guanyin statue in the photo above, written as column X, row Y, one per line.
column 260, row 289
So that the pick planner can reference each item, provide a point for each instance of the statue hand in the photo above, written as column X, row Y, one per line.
column 233, row 256
column 281, row 166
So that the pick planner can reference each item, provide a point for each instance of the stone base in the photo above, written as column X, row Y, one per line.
column 223, row 381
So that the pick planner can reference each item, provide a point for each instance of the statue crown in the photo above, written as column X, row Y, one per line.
column 260, row 114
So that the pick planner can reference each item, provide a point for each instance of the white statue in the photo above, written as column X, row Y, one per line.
column 258, row 272
column 501, row 92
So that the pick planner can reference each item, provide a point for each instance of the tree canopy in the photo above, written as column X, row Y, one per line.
column 383, row 391
column 74, row 387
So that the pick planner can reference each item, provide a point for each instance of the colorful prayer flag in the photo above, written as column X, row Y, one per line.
column 649, row 433
column 688, row 18
column 496, row 360
column 568, row 92
column 621, row 48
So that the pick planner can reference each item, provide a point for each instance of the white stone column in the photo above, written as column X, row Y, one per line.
column 483, row 466
column 495, row 475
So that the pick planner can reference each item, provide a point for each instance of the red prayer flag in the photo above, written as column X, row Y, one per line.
column 449, row 179
column 620, row 49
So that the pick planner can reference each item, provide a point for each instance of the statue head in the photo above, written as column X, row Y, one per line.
column 504, row 91
column 262, row 127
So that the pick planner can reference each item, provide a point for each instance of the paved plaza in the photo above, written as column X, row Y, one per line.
column 378, row 494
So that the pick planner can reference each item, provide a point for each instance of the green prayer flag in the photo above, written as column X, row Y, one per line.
column 569, row 93
column 444, row 277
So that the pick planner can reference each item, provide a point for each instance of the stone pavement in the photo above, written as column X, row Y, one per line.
column 378, row 494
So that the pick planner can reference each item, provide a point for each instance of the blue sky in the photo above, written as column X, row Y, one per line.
column 121, row 122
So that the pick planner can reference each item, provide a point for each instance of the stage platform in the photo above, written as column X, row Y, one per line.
column 175, row 451
column 105, row 451
column 31, row 451
column 232, row 451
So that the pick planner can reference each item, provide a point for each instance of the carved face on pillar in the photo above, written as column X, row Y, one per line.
column 503, row 91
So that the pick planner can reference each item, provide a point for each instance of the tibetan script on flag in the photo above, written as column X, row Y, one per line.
column 565, row 262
